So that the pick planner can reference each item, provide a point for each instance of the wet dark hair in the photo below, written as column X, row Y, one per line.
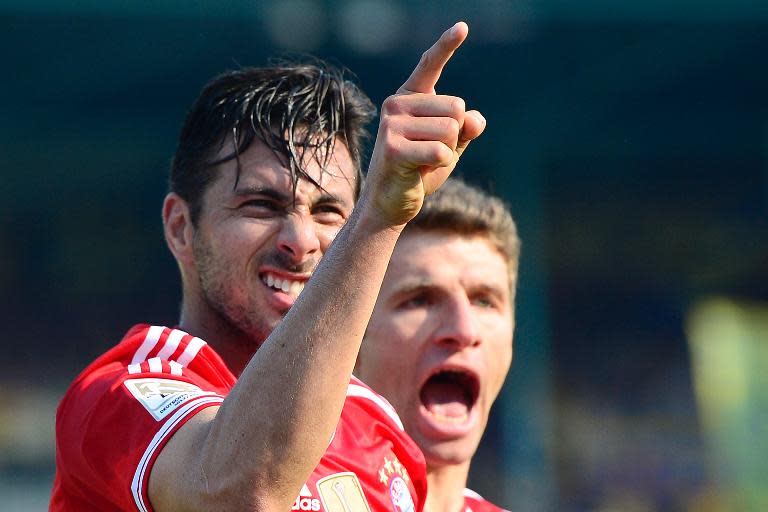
column 292, row 108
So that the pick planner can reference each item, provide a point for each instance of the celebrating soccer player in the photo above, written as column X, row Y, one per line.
column 234, row 408
column 439, row 343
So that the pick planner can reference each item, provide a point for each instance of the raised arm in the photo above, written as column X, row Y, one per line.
column 260, row 446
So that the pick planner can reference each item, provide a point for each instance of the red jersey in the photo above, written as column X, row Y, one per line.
column 473, row 502
column 121, row 410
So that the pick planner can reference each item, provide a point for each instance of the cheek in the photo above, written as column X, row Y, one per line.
column 389, row 350
column 243, row 239
column 326, row 234
column 499, row 358
column 504, row 363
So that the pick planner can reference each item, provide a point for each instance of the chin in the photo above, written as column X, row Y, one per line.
column 448, row 453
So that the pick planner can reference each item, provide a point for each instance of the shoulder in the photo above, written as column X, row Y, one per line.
column 152, row 368
column 121, row 410
column 156, row 349
column 358, row 393
column 473, row 502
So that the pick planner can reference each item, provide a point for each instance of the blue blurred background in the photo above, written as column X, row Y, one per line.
column 630, row 139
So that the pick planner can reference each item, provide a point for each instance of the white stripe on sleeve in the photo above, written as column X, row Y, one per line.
column 171, row 344
column 153, row 335
column 168, row 426
column 194, row 346
column 175, row 368
column 155, row 365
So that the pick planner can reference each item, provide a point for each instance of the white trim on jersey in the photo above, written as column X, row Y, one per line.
column 168, row 426
column 363, row 392
column 175, row 368
column 193, row 347
column 153, row 335
column 472, row 494
column 171, row 344
column 155, row 365
column 469, row 493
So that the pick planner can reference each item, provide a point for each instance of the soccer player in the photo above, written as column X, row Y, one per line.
column 265, row 176
column 439, row 342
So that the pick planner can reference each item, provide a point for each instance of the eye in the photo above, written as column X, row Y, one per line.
column 329, row 213
column 483, row 301
column 416, row 301
column 261, row 207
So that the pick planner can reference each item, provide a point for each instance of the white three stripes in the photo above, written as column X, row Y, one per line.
column 170, row 346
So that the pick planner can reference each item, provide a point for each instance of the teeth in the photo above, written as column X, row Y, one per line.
column 457, row 420
column 284, row 285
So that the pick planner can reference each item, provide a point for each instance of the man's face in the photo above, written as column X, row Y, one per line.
column 256, row 243
column 439, row 343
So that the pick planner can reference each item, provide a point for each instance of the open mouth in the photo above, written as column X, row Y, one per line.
column 449, row 395
column 283, row 284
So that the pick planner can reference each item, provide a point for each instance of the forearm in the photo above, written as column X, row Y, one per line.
column 275, row 424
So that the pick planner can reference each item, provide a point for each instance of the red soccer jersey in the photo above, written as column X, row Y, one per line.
column 121, row 410
column 473, row 502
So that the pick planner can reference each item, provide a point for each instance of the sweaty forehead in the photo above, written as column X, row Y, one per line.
column 258, row 167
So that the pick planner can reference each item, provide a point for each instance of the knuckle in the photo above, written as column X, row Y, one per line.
column 390, row 105
column 452, row 126
column 426, row 59
column 458, row 106
column 441, row 154
column 385, row 124
column 391, row 148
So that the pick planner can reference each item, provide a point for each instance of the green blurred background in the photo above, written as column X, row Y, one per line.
column 630, row 139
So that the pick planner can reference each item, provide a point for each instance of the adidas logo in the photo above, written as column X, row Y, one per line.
column 305, row 501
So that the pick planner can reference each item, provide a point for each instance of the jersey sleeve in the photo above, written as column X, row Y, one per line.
column 113, row 423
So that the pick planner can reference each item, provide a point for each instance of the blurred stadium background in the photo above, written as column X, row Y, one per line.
column 630, row 138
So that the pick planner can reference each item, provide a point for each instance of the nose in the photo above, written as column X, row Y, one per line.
column 458, row 325
column 297, row 237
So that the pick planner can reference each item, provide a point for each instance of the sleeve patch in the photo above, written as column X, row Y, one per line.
column 160, row 397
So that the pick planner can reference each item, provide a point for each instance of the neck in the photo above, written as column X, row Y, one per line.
column 234, row 347
column 446, row 485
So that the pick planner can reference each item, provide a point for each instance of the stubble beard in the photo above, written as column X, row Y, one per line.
column 235, row 320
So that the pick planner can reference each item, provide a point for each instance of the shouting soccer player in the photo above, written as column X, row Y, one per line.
column 439, row 343
column 263, row 410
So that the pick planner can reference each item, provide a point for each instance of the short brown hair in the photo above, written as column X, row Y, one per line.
column 459, row 208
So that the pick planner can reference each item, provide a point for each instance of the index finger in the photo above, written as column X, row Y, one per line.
column 427, row 72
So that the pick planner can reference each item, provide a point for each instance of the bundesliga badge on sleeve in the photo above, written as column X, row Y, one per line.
column 342, row 492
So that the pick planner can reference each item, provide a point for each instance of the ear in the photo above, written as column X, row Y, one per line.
column 178, row 228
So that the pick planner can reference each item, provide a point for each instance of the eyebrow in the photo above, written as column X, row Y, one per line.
column 282, row 197
column 491, row 288
column 410, row 286
column 262, row 191
column 416, row 285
